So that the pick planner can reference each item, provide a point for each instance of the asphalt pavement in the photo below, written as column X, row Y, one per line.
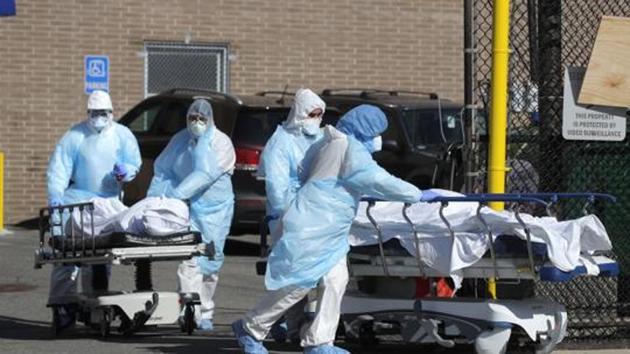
column 25, row 320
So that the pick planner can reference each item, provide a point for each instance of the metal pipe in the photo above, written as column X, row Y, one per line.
column 498, row 106
column 491, row 246
column 469, row 91
column 416, row 239
column 530, row 253
column 499, row 97
column 445, row 221
column 380, row 236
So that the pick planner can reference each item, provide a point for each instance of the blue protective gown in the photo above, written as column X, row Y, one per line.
column 200, row 171
column 317, row 223
column 279, row 165
column 81, row 166
column 80, row 169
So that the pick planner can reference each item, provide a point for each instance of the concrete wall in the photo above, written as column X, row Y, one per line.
column 402, row 44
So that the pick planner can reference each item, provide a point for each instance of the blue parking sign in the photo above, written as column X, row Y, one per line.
column 96, row 73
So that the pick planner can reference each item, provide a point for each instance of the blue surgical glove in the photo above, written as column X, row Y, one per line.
column 428, row 195
column 120, row 171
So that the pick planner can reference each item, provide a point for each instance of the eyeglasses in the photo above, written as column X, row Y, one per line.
column 98, row 112
column 197, row 117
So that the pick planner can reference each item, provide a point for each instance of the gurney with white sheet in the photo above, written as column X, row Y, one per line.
column 396, row 247
column 90, row 234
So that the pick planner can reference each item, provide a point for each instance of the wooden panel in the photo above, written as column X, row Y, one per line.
column 607, row 80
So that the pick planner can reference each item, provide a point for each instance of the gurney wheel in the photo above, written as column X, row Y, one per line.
column 54, row 326
column 104, row 323
column 189, row 319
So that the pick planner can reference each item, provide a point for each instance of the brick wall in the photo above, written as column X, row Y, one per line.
column 404, row 44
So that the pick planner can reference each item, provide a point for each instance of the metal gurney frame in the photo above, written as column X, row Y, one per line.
column 484, row 322
column 100, row 307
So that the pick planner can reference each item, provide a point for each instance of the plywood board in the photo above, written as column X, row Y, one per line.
column 607, row 80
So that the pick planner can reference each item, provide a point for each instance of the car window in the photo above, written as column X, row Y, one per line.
column 331, row 117
column 423, row 126
column 172, row 118
column 143, row 122
column 255, row 126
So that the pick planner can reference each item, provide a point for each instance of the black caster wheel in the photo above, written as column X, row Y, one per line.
column 55, row 326
column 189, row 319
column 105, row 322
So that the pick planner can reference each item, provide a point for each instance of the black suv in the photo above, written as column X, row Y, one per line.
column 424, row 140
column 248, row 120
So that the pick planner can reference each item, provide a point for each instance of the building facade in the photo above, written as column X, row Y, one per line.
column 401, row 44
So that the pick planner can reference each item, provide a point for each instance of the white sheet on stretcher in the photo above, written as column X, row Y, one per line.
column 154, row 216
column 568, row 242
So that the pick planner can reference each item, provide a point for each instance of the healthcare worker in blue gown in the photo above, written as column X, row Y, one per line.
column 90, row 160
column 311, row 253
column 197, row 165
column 279, row 166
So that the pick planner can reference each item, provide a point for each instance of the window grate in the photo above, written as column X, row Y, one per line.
column 179, row 65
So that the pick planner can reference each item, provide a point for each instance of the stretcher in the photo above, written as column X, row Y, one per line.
column 385, row 300
column 99, row 307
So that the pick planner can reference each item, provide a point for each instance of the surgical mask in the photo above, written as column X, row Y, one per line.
column 101, row 121
column 197, row 128
column 311, row 126
column 374, row 145
column 377, row 143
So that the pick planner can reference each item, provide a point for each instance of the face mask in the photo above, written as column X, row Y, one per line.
column 197, row 128
column 374, row 145
column 100, row 122
column 311, row 126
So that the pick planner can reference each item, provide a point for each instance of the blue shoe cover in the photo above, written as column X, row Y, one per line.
column 248, row 343
column 279, row 331
column 325, row 349
column 205, row 325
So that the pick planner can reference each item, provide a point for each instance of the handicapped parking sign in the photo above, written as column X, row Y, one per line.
column 96, row 73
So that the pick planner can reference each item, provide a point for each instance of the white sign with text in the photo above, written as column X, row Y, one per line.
column 588, row 122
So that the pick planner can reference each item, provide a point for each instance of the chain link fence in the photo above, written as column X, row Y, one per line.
column 546, row 36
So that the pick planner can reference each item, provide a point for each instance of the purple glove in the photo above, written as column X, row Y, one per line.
column 428, row 195
column 120, row 172
column 55, row 202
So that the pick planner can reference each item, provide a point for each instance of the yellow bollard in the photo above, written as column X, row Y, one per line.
column 1, row 191
column 498, row 108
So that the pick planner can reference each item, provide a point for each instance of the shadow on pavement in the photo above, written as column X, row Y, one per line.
column 235, row 247
column 171, row 340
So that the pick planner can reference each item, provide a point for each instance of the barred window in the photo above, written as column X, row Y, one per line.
column 179, row 65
